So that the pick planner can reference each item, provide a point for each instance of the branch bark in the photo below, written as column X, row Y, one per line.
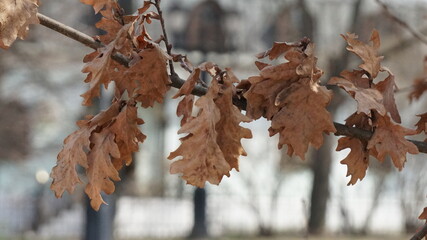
column 420, row 234
column 177, row 82
column 402, row 23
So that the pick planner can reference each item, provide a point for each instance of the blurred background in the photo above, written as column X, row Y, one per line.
column 273, row 196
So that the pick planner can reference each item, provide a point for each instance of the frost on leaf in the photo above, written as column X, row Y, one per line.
column 212, row 147
column 357, row 160
column 368, row 53
column 290, row 96
column 389, row 139
column 101, row 171
column 76, row 145
column 15, row 17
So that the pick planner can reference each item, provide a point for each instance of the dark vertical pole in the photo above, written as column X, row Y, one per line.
column 199, row 227
column 100, row 225
column 199, row 200
column 321, row 165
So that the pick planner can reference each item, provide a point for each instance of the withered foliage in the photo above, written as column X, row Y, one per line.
column 287, row 92
column 376, row 111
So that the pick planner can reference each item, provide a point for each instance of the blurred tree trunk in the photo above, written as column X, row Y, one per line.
column 199, row 228
column 100, row 225
column 321, row 165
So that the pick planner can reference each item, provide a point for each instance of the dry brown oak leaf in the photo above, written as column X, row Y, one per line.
column 75, row 149
column 389, row 139
column 423, row 215
column 202, row 157
column 228, row 128
column 15, row 16
column 150, row 75
column 303, row 117
column 387, row 88
column 289, row 95
column 357, row 160
column 101, row 171
column 64, row 174
column 367, row 98
column 128, row 135
column 99, row 68
column 422, row 123
column 97, row 4
column 420, row 84
column 368, row 53
column 185, row 106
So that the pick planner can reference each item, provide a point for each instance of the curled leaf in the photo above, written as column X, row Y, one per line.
column 15, row 17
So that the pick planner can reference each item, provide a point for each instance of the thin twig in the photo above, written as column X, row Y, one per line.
column 402, row 23
column 165, row 35
column 420, row 234
column 177, row 82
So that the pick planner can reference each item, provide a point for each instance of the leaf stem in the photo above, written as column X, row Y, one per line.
column 165, row 35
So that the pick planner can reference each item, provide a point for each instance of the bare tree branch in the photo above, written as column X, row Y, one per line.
column 420, row 234
column 402, row 23
column 165, row 36
column 177, row 82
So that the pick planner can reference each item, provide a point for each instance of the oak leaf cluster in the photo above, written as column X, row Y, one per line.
column 286, row 91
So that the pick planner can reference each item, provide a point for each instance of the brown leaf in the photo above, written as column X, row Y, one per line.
column 100, row 69
column 64, row 174
column 228, row 128
column 128, row 134
column 97, row 4
column 202, row 159
column 278, row 49
column 111, row 27
column 423, row 215
column 101, row 170
column 303, row 117
column 387, row 88
column 357, row 160
column 189, row 85
column 418, row 88
column 420, row 84
column 368, row 53
column 261, row 65
column 367, row 98
column 267, row 89
column 359, row 120
column 185, row 108
column 15, row 17
column 151, row 76
column 389, row 139
column 422, row 123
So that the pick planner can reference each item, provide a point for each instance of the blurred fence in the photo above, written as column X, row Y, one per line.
column 173, row 218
